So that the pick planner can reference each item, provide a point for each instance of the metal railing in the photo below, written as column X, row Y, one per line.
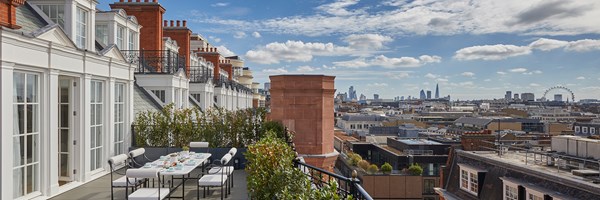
column 155, row 61
column 320, row 177
column 200, row 74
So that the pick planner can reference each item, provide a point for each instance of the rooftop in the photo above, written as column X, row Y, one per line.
column 419, row 142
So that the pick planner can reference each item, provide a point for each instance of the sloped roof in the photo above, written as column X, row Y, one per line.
column 29, row 19
column 142, row 102
column 481, row 122
column 362, row 118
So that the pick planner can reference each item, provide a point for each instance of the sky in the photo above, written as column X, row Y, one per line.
column 474, row 49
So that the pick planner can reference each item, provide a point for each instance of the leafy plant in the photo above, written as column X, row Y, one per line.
column 354, row 159
column 415, row 170
column 185, row 148
column 363, row 164
column 386, row 168
column 373, row 169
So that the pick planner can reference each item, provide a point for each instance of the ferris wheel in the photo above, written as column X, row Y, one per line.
column 561, row 88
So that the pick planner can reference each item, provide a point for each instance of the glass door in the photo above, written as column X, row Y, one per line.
column 65, row 119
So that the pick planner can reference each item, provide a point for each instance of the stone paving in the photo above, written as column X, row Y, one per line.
column 100, row 189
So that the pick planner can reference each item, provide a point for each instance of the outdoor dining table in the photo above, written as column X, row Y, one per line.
column 191, row 162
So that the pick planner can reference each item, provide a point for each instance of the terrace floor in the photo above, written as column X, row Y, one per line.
column 100, row 189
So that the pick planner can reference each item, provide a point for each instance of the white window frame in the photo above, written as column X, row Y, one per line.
column 96, row 124
column 33, row 165
column 593, row 130
column 472, row 178
column 584, row 129
column 577, row 129
column 119, row 119
column 132, row 40
column 160, row 94
column 102, row 37
column 81, row 25
column 531, row 194
column 505, row 192
column 120, row 39
column 54, row 16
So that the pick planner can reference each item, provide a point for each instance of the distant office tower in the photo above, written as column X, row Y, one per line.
column 409, row 97
column 428, row 94
column 422, row 94
column 508, row 95
column 558, row 97
column 352, row 93
column 437, row 91
column 516, row 96
column 267, row 86
column 402, row 98
column 527, row 97
column 363, row 97
column 376, row 96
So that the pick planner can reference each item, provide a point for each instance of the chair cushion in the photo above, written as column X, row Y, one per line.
column 212, row 180
column 233, row 151
column 118, row 159
column 142, row 173
column 149, row 193
column 122, row 182
column 226, row 169
column 198, row 144
column 225, row 159
column 137, row 152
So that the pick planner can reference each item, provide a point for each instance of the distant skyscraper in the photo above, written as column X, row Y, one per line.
column 402, row 98
column 516, row 96
column 437, row 91
column 428, row 94
column 422, row 94
column 508, row 95
column 352, row 93
column 376, row 96
column 267, row 86
column 362, row 97
column 558, row 97
column 527, row 97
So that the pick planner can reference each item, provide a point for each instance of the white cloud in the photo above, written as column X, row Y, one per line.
column 306, row 68
column 398, row 75
column 280, row 70
column 427, row 17
column 431, row 76
column 220, row 4
column 256, row 34
column 366, row 41
column 239, row 35
column 387, row 62
column 377, row 84
column 583, row 45
column 441, row 80
column 216, row 39
column 224, row 51
column 580, row 78
column 545, row 44
column 534, row 85
column 294, row 51
column 491, row 52
column 518, row 70
column 501, row 73
column 487, row 80
column 533, row 72
column 468, row 74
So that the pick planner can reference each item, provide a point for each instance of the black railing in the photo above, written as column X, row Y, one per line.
column 231, row 84
column 200, row 74
column 320, row 177
column 155, row 61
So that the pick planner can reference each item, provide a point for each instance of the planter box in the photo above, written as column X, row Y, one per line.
column 238, row 160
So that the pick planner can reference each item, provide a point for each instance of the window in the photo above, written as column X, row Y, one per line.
column 102, row 34
column 592, row 130
column 511, row 192
column 56, row 13
column 584, row 129
column 119, row 138
column 428, row 185
column 577, row 129
column 96, row 125
column 26, row 134
column 132, row 40
column 160, row 94
column 197, row 97
column 81, row 28
column 469, row 179
column 534, row 197
column 120, row 37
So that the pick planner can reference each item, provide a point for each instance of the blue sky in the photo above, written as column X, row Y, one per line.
column 472, row 49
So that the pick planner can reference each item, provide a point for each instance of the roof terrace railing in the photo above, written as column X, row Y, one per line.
column 155, row 61
column 200, row 74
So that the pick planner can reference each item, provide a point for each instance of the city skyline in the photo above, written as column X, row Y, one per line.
column 521, row 46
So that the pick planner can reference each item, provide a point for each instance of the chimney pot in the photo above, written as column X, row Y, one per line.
column 165, row 23
column 155, row 1
column 138, row 1
column 146, row 1
column 178, row 23
column 202, row 49
column 129, row 1
column 172, row 23
column 184, row 23
column 121, row 0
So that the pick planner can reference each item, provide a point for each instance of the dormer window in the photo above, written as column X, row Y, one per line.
column 102, row 33
column 120, row 37
column 132, row 39
column 56, row 13
column 81, row 28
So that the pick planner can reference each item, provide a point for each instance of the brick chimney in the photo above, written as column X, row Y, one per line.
column 150, row 16
column 211, row 54
column 183, row 36
column 8, row 13
column 304, row 104
column 227, row 66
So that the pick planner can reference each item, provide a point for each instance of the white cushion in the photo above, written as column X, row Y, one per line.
column 212, row 180
column 118, row 159
column 142, row 173
column 225, row 159
column 226, row 169
column 149, row 193
column 137, row 152
column 232, row 151
column 122, row 182
column 198, row 144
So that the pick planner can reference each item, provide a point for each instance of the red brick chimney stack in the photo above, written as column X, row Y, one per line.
column 8, row 13
column 150, row 16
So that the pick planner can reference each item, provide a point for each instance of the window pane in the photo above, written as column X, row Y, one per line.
column 64, row 163
column 32, row 118
column 93, row 115
column 19, row 155
column 92, row 159
column 64, row 140
column 64, row 115
column 20, row 109
column 98, row 113
column 19, row 87
column 18, row 179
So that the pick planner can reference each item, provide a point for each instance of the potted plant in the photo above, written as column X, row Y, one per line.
column 415, row 170
column 373, row 169
column 363, row 164
column 386, row 168
column 185, row 150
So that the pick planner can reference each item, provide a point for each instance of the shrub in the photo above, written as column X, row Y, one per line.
column 386, row 168
column 373, row 169
column 415, row 170
column 363, row 164
column 354, row 159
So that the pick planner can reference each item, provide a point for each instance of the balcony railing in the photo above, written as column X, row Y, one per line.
column 155, row 61
column 199, row 74
column 320, row 177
